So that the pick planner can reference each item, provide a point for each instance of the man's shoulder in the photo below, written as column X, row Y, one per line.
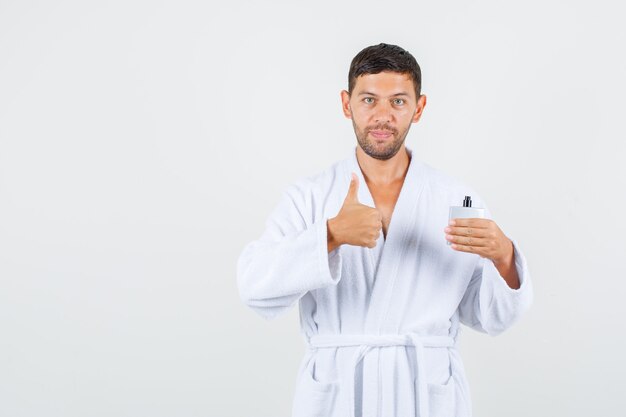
column 440, row 177
column 321, row 181
column 447, row 183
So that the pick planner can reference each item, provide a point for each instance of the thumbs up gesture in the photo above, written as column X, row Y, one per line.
column 355, row 224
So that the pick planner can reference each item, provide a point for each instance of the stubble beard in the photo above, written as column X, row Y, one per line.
column 383, row 151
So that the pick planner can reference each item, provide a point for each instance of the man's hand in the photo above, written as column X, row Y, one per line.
column 355, row 224
column 484, row 237
column 480, row 236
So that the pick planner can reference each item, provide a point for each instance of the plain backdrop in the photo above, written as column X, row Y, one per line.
column 144, row 143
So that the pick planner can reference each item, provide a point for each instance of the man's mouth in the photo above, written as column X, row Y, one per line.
column 381, row 134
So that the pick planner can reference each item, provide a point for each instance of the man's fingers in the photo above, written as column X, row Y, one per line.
column 468, row 241
column 467, row 231
column 353, row 191
column 477, row 222
column 478, row 250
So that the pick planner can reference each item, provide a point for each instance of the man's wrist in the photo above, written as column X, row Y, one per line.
column 506, row 261
column 332, row 240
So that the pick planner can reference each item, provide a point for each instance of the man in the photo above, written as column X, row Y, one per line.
column 380, row 312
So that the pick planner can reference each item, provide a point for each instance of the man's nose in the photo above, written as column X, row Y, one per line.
column 382, row 112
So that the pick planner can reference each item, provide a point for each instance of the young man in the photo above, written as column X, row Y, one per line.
column 380, row 312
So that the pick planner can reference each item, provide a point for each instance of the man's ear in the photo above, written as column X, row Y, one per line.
column 421, row 103
column 345, row 104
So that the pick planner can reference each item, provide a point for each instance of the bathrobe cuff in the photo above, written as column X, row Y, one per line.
column 329, row 263
column 505, row 298
column 500, row 305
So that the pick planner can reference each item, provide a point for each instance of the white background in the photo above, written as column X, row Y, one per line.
column 143, row 144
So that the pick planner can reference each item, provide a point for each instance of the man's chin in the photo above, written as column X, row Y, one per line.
column 383, row 153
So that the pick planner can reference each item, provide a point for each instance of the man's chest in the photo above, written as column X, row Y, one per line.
column 385, row 199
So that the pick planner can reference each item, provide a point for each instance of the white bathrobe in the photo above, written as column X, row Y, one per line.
column 381, row 324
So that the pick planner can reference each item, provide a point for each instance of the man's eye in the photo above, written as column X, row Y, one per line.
column 399, row 101
column 368, row 98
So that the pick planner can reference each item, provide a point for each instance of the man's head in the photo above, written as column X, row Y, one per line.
column 383, row 98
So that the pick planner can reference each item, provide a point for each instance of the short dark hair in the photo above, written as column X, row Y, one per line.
column 384, row 57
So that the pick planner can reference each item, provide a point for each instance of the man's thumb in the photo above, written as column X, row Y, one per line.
column 353, row 191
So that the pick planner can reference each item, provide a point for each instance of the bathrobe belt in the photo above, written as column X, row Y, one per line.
column 367, row 342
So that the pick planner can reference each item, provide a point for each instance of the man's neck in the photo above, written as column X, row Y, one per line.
column 382, row 173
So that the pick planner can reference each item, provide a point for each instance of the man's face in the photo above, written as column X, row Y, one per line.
column 382, row 107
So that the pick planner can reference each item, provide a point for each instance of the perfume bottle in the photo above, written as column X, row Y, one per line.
column 465, row 212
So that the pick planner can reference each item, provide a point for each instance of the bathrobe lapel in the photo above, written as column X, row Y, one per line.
column 395, row 245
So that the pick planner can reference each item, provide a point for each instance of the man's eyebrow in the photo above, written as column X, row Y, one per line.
column 367, row 93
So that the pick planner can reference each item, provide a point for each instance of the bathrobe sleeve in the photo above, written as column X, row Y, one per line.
column 489, row 304
column 289, row 259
